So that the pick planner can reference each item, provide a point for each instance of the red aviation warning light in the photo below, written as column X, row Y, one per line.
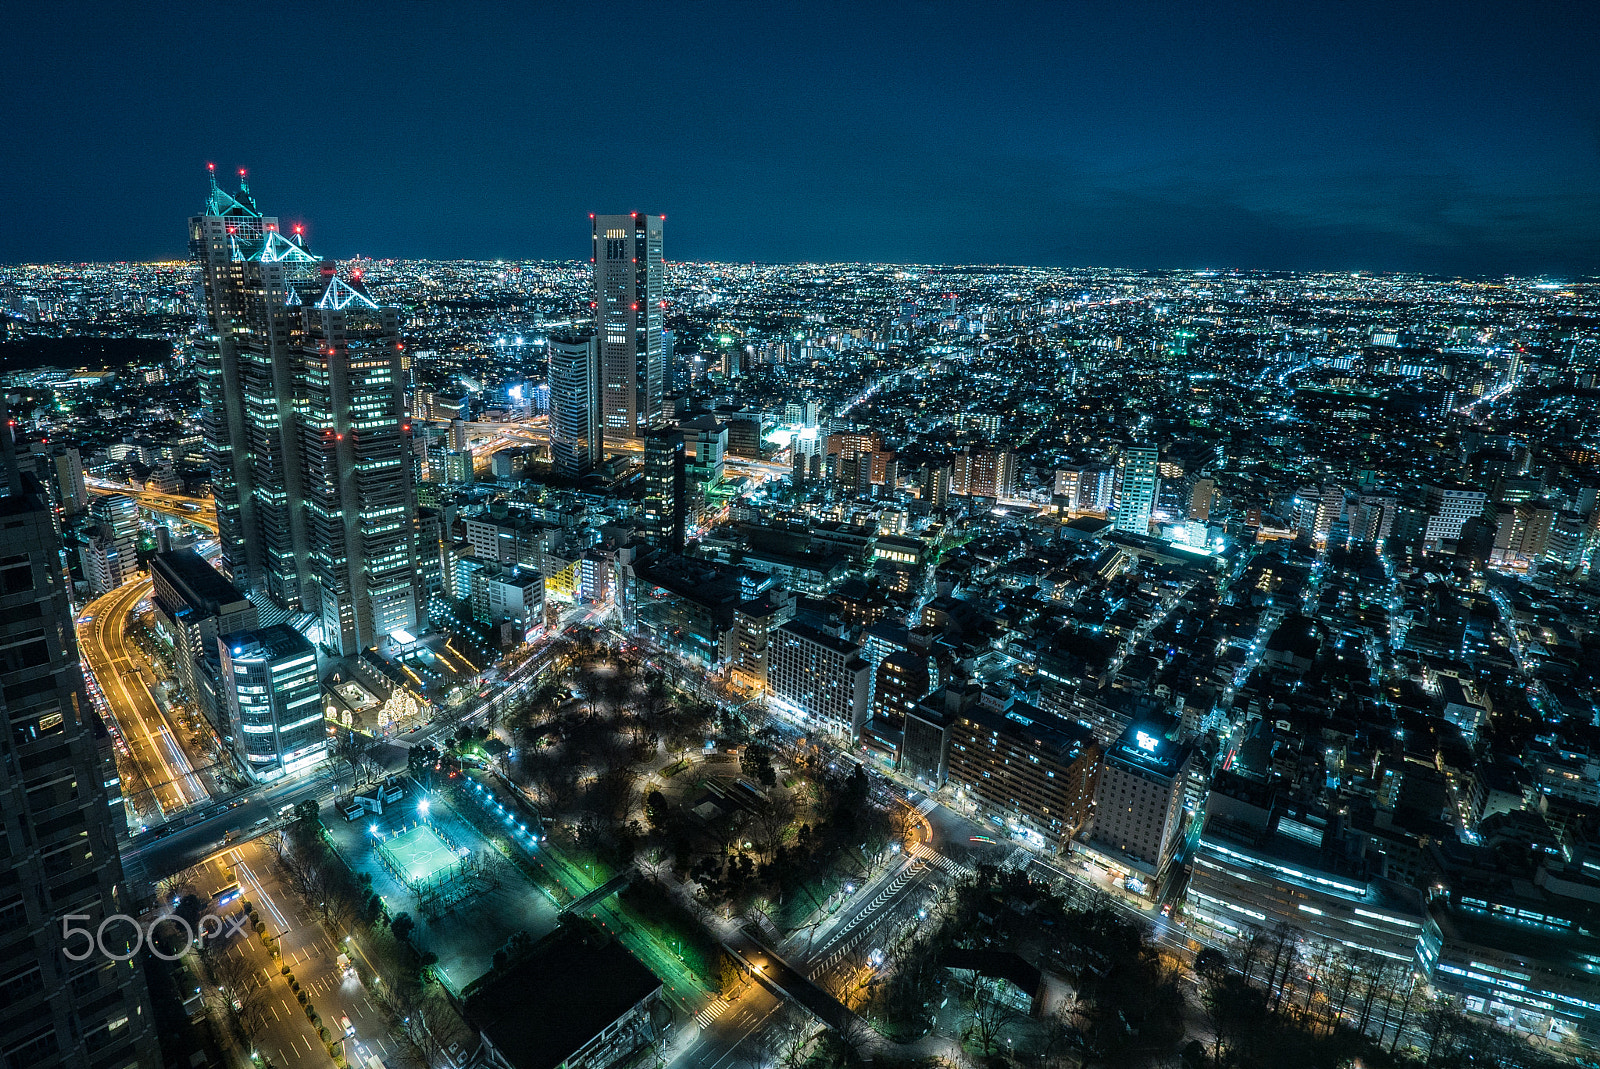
column 211, row 167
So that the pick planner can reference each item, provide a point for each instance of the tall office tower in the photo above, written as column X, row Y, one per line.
column 246, row 375
column 360, row 501
column 665, row 488
column 575, row 439
column 1140, row 464
column 305, row 429
column 628, row 291
column 274, row 699
column 57, row 836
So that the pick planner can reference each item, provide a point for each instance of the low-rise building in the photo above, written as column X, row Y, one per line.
column 576, row 1001
column 1257, row 866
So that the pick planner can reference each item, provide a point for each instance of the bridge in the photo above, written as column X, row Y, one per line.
column 599, row 894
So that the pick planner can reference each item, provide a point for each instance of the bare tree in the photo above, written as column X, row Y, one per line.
column 772, row 821
column 988, row 1019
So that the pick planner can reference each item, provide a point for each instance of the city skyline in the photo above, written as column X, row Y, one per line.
column 1249, row 136
column 863, row 631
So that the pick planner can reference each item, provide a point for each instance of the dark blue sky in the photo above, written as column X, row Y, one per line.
column 1448, row 137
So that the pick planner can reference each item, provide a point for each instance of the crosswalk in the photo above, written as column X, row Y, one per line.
column 716, row 1008
column 1016, row 860
column 954, row 869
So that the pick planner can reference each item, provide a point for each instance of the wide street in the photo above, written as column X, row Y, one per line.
column 286, row 1037
column 167, row 779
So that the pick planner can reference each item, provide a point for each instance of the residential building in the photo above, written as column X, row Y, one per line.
column 1140, row 468
column 508, row 595
column 1032, row 770
column 819, row 677
column 983, row 473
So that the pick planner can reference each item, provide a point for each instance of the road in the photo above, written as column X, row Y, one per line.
column 153, row 750
column 199, row 511
column 285, row 1036
column 185, row 840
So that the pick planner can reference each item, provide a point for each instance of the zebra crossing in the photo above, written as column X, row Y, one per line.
column 954, row 869
column 716, row 1008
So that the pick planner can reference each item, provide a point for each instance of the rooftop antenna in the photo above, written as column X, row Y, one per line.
column 243, row 188
column 211, row 170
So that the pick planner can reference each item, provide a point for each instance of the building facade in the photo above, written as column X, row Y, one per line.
column 665, row 489
column 305, row 429
column 273, row 690
column 1034, row 770
column 195, row 606
column 575, row 426
column 628, row 291
column 1139, row 814
column 1140, row 475
column 58, row 831
column 820, row 677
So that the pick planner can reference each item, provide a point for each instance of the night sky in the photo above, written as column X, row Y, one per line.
column 1450, row 138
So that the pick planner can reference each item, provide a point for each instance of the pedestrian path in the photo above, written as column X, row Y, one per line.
column 716, row 1008
column 954, row 869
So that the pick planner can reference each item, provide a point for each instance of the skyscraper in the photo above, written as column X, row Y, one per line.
column 305, row 429
column 664, row 488
column 1140, row 464
column 246, row 376
column 575, row 438
column 360, row 501
column 628, row 271
column 56, row 831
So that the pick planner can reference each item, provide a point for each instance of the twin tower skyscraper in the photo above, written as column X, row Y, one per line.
column 305, row 418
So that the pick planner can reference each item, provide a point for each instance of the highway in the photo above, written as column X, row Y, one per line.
column 168, row 779
column 199, row 511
